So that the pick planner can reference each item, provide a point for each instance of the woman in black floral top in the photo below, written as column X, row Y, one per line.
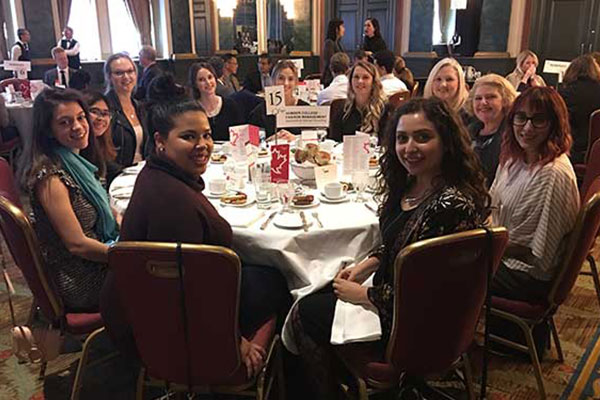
column 432, row 185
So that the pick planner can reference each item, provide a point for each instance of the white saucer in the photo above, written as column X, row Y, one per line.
column 289, row 221
column 314, row 203
column 326, row 199
column 251, row 198
column 212, row 195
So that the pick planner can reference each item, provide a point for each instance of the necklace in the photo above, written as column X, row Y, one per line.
column 413, row 201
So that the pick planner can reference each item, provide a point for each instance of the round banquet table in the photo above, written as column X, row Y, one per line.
column 308, row 260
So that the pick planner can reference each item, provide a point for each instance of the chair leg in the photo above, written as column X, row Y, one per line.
column 594, row 274
column 468, row 377
column 139, row 391
column 81, row 366
column 556, row 340
column 537, row 368
column 362, row 389
column 280, row 374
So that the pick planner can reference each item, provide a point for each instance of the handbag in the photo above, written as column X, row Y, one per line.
column 37, row 345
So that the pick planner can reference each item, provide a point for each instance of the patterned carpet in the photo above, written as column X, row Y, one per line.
column 578, row 323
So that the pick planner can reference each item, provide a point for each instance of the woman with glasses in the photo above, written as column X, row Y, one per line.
column 534, row 194
column 489, row 101
column 101, row 116
column 128, row 132
column 73, row 219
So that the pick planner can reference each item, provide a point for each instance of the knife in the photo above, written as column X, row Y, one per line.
column 304, row 223
column 370, row 207
column 269, row 219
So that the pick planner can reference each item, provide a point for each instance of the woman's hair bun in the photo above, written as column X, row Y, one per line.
column 163, row 88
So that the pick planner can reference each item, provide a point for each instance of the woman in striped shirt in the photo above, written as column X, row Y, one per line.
column 534, row 194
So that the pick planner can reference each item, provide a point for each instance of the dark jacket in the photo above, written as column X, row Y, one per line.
column 329, row 49
column 74, row 61
column 582, row 98
column 487, row 147
column 123, row 135
column 253, row 82
column 229, row 115
column 259, row 117
column 149, row 73
column 373, row 44
column 51, row 76
column 340, row 125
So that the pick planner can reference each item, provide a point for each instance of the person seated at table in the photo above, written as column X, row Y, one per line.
column 285, row 74
column 338, row 89
column 534, row 194
column 359, row 55
column 73, row 219
column 100, row 116
column 364, row 109
column 447, row 82
column 7, row 131
column 524, row 76
column 489, row 100
column 581, row 92
column 222, row 112
column 432, row 185
column 402, row 72
column 128, row 132
column 168, row 205
column 384, row 61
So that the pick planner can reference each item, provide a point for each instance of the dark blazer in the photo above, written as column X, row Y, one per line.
column 149, row 73
column 582, row 98
column 330, row 47
column 51, row 76
column 373, row 44
column 229, row 115
column 123, row 135
column 259, row 117
column 340, row 126
column 252, row 82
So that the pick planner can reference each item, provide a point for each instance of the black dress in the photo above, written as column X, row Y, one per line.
column 487, row 148
column 330, row 47
column 259, row 117
column 228, row 116
column 340, row 125
column 373, row 44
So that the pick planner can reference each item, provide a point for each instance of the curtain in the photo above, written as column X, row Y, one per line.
column 3, row 47
column 445, row 15
column 139, row 10
column 64, row 10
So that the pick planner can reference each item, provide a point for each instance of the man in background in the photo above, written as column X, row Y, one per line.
column 61, row 75
column 150, row 71
column 338, row 88
column 230, row 68
column 71, row 46
column 384, row 62
column 256, row 81
column 20, row 50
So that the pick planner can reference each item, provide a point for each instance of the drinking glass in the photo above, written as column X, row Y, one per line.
column 360, row 180
column 261, row 177
column 286, row 192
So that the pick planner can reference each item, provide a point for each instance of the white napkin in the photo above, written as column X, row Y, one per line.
column 241, row 217
column 355, row 323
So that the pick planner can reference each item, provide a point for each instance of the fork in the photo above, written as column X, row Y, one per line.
column 315, row 215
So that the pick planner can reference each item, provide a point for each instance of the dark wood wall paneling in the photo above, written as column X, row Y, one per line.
column 354, row 13
column 202, row 27
column 495, row 22
column 180, row 26
column 421, row 26
column 39, row 21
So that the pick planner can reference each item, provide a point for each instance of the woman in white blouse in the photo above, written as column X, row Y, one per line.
column 534, row 194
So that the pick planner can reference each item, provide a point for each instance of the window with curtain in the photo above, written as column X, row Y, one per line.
column 123, row 34
column 84, row 21
column 237, row 25
column 289, row 25
column 444, row 21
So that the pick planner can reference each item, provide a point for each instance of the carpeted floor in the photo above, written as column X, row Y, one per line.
column 578, row 323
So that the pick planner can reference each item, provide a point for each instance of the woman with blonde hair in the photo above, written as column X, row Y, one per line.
column 581, row 92
column 489, row 101
column 524, row 76
column 446, row 81
column 364, row 109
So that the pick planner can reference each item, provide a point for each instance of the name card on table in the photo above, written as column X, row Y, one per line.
column 303, row 117
column 325, row 175
column 556, row 67
column 280, row 163
column 356, row 153
column 239, row 137
column 299, row 65
column 274, row 99
column 309, row 136
column 21, row 67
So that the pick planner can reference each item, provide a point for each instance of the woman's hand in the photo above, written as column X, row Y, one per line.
column 351, row 292
column 253, row 357
column 360, row 272
column 286, row 135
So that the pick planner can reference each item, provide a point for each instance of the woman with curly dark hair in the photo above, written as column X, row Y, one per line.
column 431, row 185
column 534, row 194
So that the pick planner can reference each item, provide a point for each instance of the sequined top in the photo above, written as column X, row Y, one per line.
column 77, row 280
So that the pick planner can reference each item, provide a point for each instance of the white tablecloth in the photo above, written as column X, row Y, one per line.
column 308, row 260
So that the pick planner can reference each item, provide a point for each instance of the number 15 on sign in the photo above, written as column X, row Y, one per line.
column 274, row 99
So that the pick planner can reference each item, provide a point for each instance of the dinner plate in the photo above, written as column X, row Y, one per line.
column 314, row 203
column 326, row 199
column 289, row 221
column 212, row 195
column 251, row 198
column 217, row 162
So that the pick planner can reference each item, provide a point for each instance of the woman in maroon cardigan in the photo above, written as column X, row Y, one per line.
column 167, row 205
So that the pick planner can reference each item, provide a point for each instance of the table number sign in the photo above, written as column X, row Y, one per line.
column 274, row 99
column 356, row 152
column 325, row 174
column 20, row 67
column 280, row 163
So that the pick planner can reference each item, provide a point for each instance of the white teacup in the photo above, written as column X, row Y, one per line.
column 217, row 186
column 333, row 190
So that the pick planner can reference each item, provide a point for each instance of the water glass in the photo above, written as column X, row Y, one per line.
column 286, row 192
column 360, row 180
column 263, row 195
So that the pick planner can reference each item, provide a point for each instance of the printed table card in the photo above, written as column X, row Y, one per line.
column 274, row 99
column 303, row 117
column 356, row 153
column 280, row 163
column 325, row 174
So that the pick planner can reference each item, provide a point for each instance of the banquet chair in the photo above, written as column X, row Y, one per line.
column 593, row 136
column 415, row 90
column 399, row 98
column 434, row 319
column 10, row 148
column 526, row 315
column 186, row 326
column 24, row 248
column 8, row 188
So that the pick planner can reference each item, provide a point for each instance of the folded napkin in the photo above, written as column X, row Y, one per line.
column 241, row 217
column 355, row 323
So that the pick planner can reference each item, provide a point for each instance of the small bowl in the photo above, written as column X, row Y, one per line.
column 304, row 171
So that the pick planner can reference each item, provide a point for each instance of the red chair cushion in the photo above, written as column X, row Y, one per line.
column 82, row 323
column 519, row 308
column 366, row 360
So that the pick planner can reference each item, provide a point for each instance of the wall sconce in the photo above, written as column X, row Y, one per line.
column 226, row 8
column 458, row 5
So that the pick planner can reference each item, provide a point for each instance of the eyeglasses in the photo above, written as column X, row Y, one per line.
column 537, row 120
column 121, row 74
column 101, row 113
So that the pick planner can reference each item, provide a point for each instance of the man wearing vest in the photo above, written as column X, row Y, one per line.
column 71, row 46
column 61, row 75
column 20, row 50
